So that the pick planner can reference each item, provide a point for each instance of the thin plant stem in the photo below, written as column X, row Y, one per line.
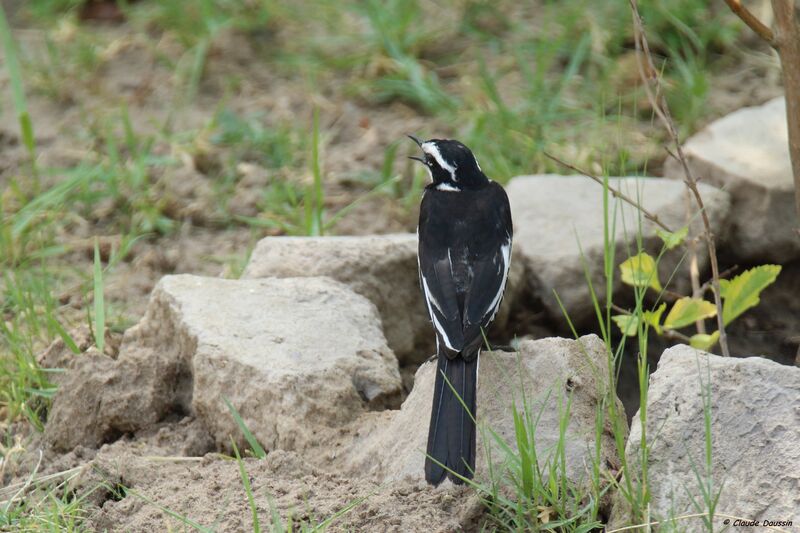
column 652, row 86
column 652, row 217
column 763, row 31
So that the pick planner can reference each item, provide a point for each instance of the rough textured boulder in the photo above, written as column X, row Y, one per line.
column 100, row 398
column 382, row 268
column 548, row 370
column 747, row 154
column 552, row 214
column 755, row 430
column 294, row 356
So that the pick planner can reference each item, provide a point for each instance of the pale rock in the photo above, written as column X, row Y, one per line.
column 755, row 431
column 293, row 356
column 746, row 153
column 382, row 268
column 555, row 217
column 548, row 372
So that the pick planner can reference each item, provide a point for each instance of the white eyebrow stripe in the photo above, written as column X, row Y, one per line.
column 433, row 150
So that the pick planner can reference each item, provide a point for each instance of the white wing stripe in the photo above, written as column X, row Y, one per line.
column 429, row 299
column 505, row 250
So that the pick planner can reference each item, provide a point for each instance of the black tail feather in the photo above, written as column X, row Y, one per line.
column 451, row 437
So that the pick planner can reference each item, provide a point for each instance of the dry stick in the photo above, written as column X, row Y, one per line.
column 751, row 20
column 662, row 110
column 722, row 275
column 666, row 333
column 615, row 193
column 787, row 41
column 694, row 264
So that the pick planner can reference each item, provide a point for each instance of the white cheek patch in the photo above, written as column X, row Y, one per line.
column 432, row 150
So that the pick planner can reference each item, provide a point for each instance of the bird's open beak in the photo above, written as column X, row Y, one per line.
column 419, row 143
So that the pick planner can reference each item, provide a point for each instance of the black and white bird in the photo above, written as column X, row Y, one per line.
column 465, row 234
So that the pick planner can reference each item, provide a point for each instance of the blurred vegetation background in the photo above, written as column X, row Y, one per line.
column 172, row 134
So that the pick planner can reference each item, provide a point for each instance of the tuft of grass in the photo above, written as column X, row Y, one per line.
column 542, row 498
column 18, row 89
column 43, row 502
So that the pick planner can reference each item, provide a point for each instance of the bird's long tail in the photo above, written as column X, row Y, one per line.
column 451, row 437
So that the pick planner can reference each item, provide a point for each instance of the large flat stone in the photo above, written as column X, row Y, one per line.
column 755, row 431
column 747, row 154
column 547, row 372
column 557, row 216
column 294, row 356
column 382, row 268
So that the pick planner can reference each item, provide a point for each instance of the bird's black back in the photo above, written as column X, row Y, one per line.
column 461, row 235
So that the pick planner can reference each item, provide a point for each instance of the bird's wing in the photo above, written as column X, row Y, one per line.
column 441, row 297
column 489, row 276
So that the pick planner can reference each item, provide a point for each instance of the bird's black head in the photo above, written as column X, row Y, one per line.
column 450, row 164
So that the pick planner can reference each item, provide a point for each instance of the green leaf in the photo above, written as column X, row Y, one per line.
column 653, row 318
column 673, row 238
column 701, row 341
column 640, row 271
column 742, row 292
column 687, row 311
column 628, row 324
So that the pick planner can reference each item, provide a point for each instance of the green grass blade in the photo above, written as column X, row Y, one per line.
column 247, row 488
column 525, row 458
column 17, row 89
column 99, row 302
column 314, row 204
column 258, row 450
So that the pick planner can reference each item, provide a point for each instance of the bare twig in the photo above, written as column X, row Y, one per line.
column 694, row 263
column 752, row 21
column 722, row 275
column 676, row 336
column 652, row 85
column 667, row 333
column 785, row 38
column 652, row 217
column 787, row 41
